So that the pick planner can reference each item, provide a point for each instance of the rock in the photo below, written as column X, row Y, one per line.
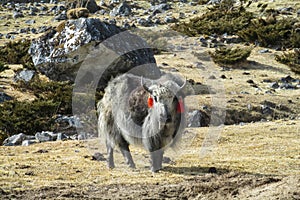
column 24, row 75
column 287, row 79
column 17, row 15
column 287, row 86
column 61, row 16
column 213, row 2
column 61, row 136
column 170, row 19
column 30, row 21
column 144, row 22
column 91, row 5
column 122, row 10
column 4, row 97
column 28, row 142
column 17, row 139
column 98, row 156
column 274, row 85
column 45, row 136
column 266, row 110
column 194, row 119
column 160, row 8
column 59, row 54
column 264, row 51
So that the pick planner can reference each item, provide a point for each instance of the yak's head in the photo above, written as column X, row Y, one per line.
column 165, row 101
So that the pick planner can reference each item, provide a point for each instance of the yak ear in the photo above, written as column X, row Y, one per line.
column 144, row 86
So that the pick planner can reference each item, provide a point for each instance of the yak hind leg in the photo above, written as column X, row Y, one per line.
column 110, row 155
column 156, row 160
column 124, row 147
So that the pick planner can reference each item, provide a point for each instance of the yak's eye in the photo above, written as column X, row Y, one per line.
column 155, row 98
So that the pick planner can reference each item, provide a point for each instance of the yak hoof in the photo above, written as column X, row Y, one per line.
column 155, row 170
column 131, row 165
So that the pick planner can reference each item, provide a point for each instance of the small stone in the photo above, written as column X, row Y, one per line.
column 250, row 81
column 4, row 97
column 212, row 170
column 17, row 15
column 264, row 51
column 274, row 85
column 24, row 75
column 223, row 76
column 98, row 156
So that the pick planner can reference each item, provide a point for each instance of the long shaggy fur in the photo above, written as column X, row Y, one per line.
column 125, row 119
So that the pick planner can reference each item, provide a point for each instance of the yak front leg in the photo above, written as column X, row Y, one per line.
column 110, row 155
column 156, row 160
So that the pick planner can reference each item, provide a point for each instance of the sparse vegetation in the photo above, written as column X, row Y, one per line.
column 291, row 59
column 230, row 56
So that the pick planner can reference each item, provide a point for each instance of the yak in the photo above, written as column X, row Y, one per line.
column 139, row 111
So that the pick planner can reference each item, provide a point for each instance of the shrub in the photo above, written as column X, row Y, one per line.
column 16, row 52
column 270, row 33
column 291, row 59
column 26, row 117
column 230, row 56
column 58, row 92
column 221, row 18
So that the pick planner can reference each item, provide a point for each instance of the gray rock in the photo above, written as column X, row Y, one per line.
column 30, row 21
column 59, row 55
column 194, row 119
column 274, row 85
column 170, row 19
column 45, row 136
column 24, row 75
column 4, row 97
column 61, row 16
column 264, row 51
column 17, row 15
column 91, row 5
column 122, row 10
column 28, row 142
column 160, row 8
column 61, row 136
column 17, row 139
column 287, row 86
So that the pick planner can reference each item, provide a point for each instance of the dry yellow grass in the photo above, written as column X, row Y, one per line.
column 270, row 148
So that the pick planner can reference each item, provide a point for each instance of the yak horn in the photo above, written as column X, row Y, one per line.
column 144, row 86
column 181, row 87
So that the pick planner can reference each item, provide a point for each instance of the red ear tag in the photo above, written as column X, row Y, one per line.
column 180, row 106
column 150, row 102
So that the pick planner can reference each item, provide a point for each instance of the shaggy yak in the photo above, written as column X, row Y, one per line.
column 137, row 111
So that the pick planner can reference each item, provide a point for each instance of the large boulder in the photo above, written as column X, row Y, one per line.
column 62, row 51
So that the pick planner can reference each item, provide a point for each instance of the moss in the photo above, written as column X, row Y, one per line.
column 291, row 59
column 230, row 56
column 16, row 52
